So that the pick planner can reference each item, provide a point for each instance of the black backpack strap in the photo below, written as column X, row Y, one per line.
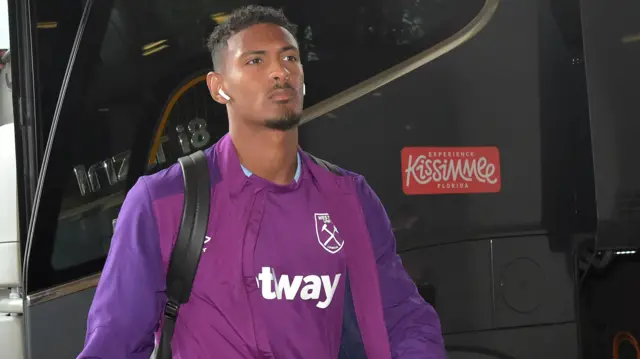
column 188, row 248
column 325, row 164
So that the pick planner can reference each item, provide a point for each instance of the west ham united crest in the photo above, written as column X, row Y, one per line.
column 327, row 233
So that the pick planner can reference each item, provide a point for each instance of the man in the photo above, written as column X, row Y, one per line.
column 276, row 279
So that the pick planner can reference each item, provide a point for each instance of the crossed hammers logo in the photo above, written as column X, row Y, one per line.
column 332, row 235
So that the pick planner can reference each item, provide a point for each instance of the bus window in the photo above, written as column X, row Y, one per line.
column 136, row 101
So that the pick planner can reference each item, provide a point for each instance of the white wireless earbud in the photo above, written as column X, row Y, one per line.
column 304, row 89
column 224, row 95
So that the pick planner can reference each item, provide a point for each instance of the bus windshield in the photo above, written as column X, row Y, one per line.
column 138, row 79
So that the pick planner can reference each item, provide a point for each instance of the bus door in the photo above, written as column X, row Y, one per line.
column 133, row 98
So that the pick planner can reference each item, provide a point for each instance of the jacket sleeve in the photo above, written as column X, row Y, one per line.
column 130, row 295
column 412, row 323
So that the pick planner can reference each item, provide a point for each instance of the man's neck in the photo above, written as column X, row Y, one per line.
column 270, row 154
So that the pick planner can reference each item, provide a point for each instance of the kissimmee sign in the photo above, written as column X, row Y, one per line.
column 442, row 170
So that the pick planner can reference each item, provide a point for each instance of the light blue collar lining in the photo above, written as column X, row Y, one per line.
column 296, row 177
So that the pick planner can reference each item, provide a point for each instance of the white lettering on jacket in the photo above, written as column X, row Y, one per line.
column 276, row 288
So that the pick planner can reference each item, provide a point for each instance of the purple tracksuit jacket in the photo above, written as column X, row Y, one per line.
column 276, row 279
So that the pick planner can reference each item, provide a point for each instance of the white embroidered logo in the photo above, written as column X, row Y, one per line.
column 312, row 289
column 207, row 239
column 327, row 233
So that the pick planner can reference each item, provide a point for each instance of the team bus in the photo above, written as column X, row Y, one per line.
column 501, row 136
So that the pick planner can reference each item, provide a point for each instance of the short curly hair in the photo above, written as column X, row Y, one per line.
column 241, row 19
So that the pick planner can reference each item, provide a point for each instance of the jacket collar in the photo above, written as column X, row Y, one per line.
column 296, row 177
column 231, row 170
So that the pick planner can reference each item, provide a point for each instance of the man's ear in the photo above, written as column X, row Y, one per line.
column 214, row 82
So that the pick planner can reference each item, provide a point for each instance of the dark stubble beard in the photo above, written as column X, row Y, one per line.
column 285, row 123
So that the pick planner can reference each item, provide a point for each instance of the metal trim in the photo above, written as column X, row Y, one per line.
column 353, row 93
column 62, row 290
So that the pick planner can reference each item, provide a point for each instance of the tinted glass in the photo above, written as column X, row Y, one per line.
column 139, row 71
column 56, row 27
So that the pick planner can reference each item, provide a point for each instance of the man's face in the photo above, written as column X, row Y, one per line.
column 263, row 76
